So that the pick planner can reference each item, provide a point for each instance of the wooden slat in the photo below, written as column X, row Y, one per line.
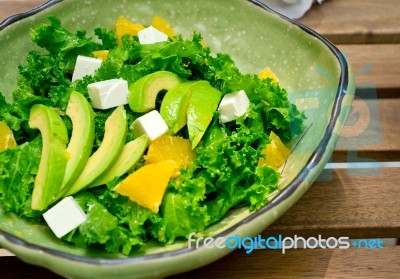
column 363, row 156
column 356, row 21
column 375, row 67
column 11, row 7
column 5, row 253
column 353, row 203
column 370, row 131
column 318, row 263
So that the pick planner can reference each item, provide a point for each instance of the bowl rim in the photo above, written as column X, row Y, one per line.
column 315, row 158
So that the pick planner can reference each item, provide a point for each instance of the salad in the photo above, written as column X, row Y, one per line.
column 149, row 135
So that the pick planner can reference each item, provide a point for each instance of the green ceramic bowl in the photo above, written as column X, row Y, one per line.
column 316, row 75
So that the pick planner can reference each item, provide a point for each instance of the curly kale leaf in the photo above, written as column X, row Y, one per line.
column 60, row 42
column 18, row 169
column 108, row 38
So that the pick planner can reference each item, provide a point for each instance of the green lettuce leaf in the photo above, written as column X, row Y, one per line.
column 16, row 114
column 18, row 170
column 103, row 228
column 43, row 72
column 281, row 115
column 224, row 175
column 61, row 43
column 108, row 38
column 231, row 162
column 180, row 217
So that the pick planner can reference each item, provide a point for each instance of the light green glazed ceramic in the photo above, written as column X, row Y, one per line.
column 316, row 75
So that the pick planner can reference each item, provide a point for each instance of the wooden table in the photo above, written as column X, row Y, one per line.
column 348, row 200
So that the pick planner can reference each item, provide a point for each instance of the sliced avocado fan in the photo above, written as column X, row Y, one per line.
column 116, row 128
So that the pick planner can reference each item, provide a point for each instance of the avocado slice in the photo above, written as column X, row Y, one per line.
column 81, row 143
column 203, row 102
column 131, row 154
column 143, row 93
column 174, row 106
column 53, row 160
column 116, row 128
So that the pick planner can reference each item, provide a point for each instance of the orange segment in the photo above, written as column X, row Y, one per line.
column 162, row 25
column 276, row 153
column 173, row 148
column 147, row 185
column 6, row 137
column 267, row 73
column 101, row 54
column 125, row 26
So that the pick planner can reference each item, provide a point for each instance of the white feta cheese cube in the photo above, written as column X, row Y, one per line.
column 232, row 106
column 108, row 93
column 64, row 216
column 151, row 124
column 85, row 66
column 151, row 35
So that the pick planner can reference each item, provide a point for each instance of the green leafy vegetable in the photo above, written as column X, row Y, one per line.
column 224, row 174
column 112, row 220
column 17, row 176
column 280, row 114
column 44, row 72
column 61, row 43
column 180, row 217
column 107, row 37
column 103, row 228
